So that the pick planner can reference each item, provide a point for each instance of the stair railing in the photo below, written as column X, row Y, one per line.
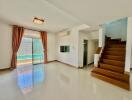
column 99, row 52
column 97, row 56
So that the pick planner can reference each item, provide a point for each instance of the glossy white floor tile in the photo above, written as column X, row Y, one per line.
column 57, row 81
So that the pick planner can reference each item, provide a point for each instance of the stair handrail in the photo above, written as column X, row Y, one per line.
column 99, row 52
column 97, row 56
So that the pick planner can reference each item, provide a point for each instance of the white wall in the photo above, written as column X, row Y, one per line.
column 92, row 47
column 92, row 38
column 51, row 46
column 101, row 37
column 94, row 34
column 5, row 45
column 71, row 40
column 32, row 34
column 117, row 29
column 128, row 62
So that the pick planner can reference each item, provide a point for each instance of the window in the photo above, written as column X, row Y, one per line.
column 30, row 51
column 64, row 48
column 24, row 54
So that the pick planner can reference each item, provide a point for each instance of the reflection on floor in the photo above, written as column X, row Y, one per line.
column 28, row 76
column 56, row 81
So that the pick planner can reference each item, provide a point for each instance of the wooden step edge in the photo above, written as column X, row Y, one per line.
column 110, row 58
column 115, row 50
column 108, row 73
column 114, row 56
column 112, row 51
column 114, row 61
column 112, row 68
column 123, row 49
column 113, row 64
column 116, row 46
column 121, row 71
column 119, row 52
column 120, row 84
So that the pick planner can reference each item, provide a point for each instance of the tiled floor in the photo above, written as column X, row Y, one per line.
column 57, row 81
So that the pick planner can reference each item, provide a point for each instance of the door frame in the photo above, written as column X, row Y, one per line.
column 85, row 40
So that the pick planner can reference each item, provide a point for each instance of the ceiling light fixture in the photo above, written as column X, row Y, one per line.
column 37, row 20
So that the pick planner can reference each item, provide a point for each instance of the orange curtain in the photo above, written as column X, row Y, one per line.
column 17, row 34
column 44, row 42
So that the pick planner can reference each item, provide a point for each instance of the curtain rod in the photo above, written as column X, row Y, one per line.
column 26, row 28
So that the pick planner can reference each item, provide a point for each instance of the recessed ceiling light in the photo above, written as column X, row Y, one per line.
column 37, row 20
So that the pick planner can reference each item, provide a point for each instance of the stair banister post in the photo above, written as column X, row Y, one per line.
column 128, row 59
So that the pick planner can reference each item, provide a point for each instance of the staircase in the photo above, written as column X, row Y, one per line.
column 111, row 64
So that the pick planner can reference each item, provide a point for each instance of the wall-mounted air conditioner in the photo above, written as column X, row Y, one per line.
column 64, row 33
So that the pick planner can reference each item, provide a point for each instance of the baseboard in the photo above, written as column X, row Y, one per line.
column 4, row 69
column 67, row 64
column 86, row 65
column 91, row 63
column 51, row 61
column 62, row 63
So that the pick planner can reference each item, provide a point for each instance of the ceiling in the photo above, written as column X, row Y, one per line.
column 63, row 14
column 91, row 29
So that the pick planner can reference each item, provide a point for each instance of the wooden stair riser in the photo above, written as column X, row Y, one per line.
column 118, row 76
column 114, row 43
column 116, row 53
column 111, row 57
column 113, row 62
column 112, row 81
column 115, row 49
column 114, row 40
column 112, row 68
column 116, row 46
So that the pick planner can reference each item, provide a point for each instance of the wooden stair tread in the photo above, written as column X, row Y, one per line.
column 111, row 74
column 114, row 53
column 112, row 68
column 113, row 62
column 115, row 49
column 116, row 46
column 112, row 81
column 113, row 57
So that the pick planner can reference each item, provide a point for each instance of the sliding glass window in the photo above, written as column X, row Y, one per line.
column 38, row 56
column 30, row 51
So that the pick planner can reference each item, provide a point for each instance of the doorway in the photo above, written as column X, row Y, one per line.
column 30, row 51
column 85, row 52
